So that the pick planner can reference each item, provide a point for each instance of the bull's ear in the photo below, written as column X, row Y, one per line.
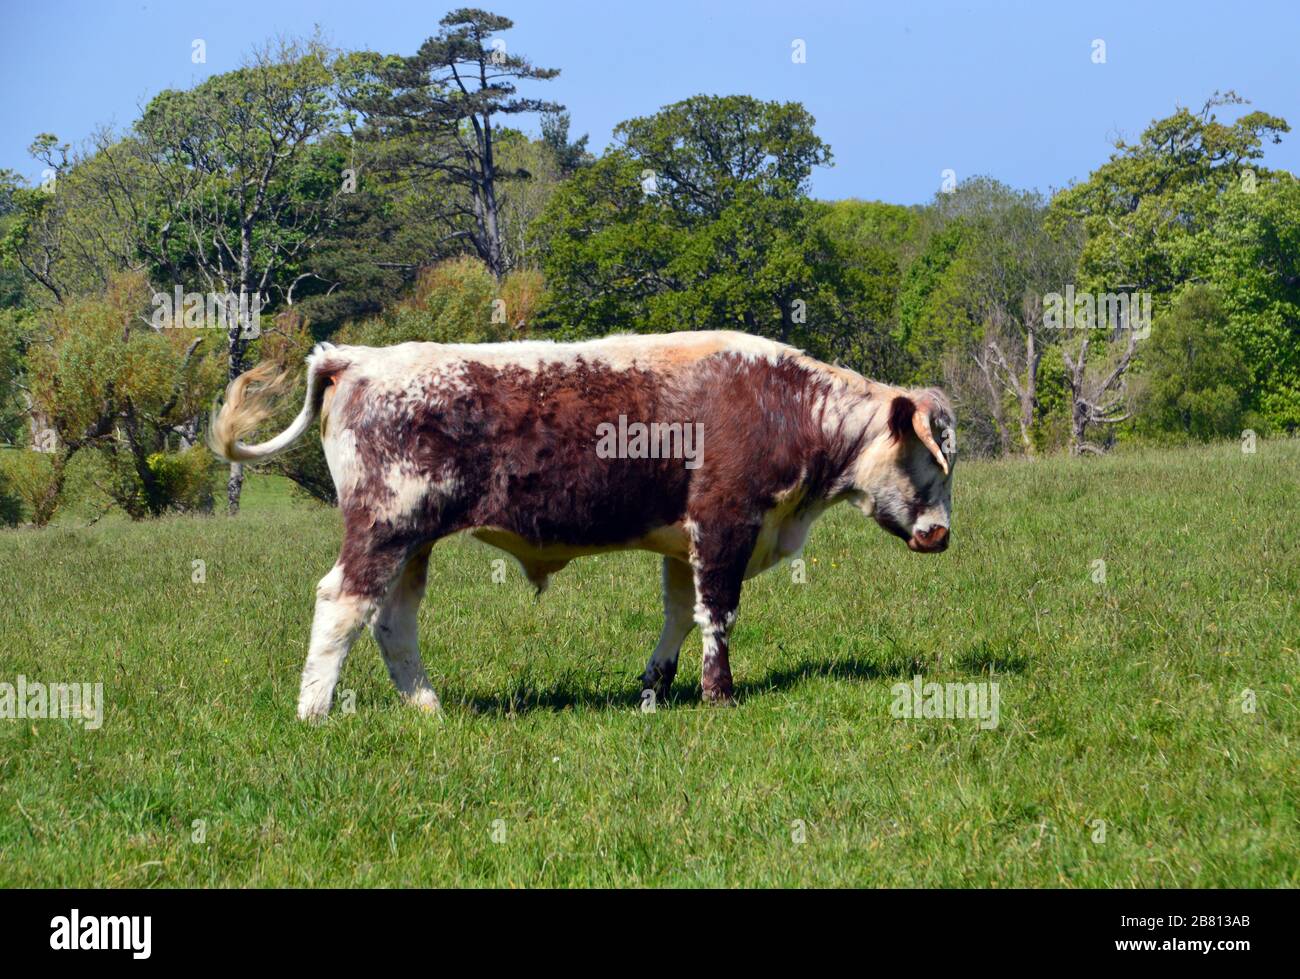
column 901, row 412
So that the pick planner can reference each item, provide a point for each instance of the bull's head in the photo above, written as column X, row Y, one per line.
column 904, row 479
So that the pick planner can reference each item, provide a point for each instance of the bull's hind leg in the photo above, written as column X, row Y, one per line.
column 397, row 633
column 679, row 599
column 346, row 599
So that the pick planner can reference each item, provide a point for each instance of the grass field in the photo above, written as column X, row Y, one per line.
column 1121, row 701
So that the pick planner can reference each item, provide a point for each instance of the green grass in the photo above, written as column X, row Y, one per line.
column 1120, row 702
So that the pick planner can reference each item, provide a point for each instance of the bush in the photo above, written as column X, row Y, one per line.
column 1197, row 378
column 11, row 507
column 185, row 477
column 111, row 385
column 28, row 487
column 523, row 293
column 454, row 301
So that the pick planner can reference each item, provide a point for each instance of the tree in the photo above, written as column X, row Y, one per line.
column 433, row 115
column 972, row 307
column 226, row 186
column 1250, row 254
column 15, row 310
column 110, row 383
column 1140, row 209
column 1196, row 376
column 705, row 152
column 1097, row 397
column 1191, row 203
column 569, row 157
column 701, row 220
column 523, row 201
column 65, row 235
column 241, row 196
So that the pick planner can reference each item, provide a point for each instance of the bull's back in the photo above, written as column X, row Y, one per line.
column 508, row 436
column 531, row 448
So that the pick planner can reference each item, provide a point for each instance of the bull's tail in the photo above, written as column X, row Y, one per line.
column 250, row 399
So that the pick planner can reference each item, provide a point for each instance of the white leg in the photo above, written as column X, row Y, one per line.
column 340, row 617
column 398, row 636
column 679, row 601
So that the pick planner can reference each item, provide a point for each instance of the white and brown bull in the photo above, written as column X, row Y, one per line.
column 745, row 443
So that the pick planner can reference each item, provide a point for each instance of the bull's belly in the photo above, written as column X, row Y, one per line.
column 540, row 561
column 782, row 535
column 671, row 541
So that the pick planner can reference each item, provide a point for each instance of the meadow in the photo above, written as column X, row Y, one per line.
column 1148, row 731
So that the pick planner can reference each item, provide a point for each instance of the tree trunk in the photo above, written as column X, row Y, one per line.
column 1029, row 394
column 491, row 209
column 238, row 344
column 235, row 484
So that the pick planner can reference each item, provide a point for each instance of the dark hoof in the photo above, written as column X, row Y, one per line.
column 659, row 686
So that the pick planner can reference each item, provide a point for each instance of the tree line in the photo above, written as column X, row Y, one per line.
column 374, row 198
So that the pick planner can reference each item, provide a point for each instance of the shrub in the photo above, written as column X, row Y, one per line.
column 185, row 477
column 28, row 487
column 453, row 302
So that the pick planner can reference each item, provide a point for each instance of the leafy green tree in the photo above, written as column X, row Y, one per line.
column 1197, row 378
column 1191, row 203
column 568, row 156
column 15, row 320
column 110, row 383
column 704, row 152
column 67, row 236
column 1140, row 209
column 1250, row 254
column 433, row 116
column 701, row 220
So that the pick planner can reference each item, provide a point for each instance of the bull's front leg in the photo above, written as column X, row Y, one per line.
column 722, row 552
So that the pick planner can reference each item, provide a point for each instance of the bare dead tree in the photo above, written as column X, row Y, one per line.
column 1101, row 400
column 979, row 406
column 1017, row 260
column 1015, row 375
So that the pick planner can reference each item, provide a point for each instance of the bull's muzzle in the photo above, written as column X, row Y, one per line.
column 930, row 541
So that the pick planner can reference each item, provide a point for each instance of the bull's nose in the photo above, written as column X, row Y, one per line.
column 933, row 539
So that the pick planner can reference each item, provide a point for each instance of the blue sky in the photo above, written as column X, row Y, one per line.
column 900, row 91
